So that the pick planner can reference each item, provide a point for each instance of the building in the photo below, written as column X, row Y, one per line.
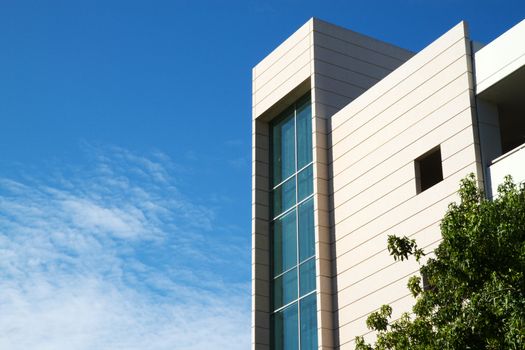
column 355, row 139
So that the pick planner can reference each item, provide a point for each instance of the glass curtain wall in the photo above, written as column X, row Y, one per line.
column 293, row 297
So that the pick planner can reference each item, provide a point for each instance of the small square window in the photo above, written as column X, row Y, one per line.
column 429, row 170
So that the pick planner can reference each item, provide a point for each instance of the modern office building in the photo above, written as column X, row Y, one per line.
column 355, row 139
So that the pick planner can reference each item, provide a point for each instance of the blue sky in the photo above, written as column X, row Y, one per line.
column 125, row 159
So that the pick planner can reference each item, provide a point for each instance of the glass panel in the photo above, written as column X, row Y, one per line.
column 306, row 277
column 306, row 230
column 284, row 243
column 305, row 183
column 304, row 132
column 284, row 197
column 285, row 289
column 285, row 333
column 283, row 149
column 308, row 323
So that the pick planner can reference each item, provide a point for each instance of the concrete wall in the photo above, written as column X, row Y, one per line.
column 375, row 139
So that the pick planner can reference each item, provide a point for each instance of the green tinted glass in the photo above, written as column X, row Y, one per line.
column 308, row 322
column 285, row 335
column 284, row 197
column 285, row 289
column 306, row 230
column 284, row 243
column 304, row 132
column 306, row 277
column 305, row 183
column 283, row 148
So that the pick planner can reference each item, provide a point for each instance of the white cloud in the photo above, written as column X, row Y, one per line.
column 112, row 256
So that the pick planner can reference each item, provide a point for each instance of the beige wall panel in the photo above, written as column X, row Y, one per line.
column 445, row 101
column 261, row 257
column 364, row 264
column 373, row 292
column 363, row 186
column 322, row 218
column 260, row 319
column 324, row 267
column 368, row 304
column 260, row 197
column 260, row 240
column 272, row 82
column 357, row 241
column 351, row 250
column 332, row 99
column 399, row 75
column 337, row 86
column 381, row 278
column 426, row 137
column 377, row 163
column 384, row 162
column 261, row 141
column 260, row 154
column 288, row 45
column 261, row 333
column 360, row 39
column 370, row 191
column 425, row 126
column 355, row 51
column 457, row 142
column 259, row 227
column 362, row 213
column 361, row 232
column 324, row 110
column 358, row 326
column 381, row 295
column 324, row 250
column 263, row 302
column 325, row 337
column 330, row 70
column 401, row 100
column 350, row 63
column 282, row 90
column 456, row 162
column 289, row 59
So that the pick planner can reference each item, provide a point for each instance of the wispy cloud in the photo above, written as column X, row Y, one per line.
column 112, row 255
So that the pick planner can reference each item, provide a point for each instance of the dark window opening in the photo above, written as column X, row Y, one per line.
column 426, row 285
column 512, row 126
column 429, row 170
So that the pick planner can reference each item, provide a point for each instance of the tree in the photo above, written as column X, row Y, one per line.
column 474, row 296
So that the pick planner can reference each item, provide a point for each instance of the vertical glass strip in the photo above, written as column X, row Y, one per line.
column 293, row 285
column 304, row 133
column 283, row 148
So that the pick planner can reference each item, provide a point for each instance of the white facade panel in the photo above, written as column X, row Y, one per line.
column 511, row 163
column 500, row 58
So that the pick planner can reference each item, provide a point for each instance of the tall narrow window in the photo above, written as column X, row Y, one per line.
column 293, row 298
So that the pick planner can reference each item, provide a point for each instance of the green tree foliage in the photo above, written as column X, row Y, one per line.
column 475, row 293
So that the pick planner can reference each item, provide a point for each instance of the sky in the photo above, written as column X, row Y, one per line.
column 125, row 159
